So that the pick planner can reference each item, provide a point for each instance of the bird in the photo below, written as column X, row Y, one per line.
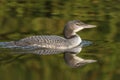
column 70, row 39
column 70, row 44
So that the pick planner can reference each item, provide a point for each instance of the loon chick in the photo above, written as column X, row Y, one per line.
column 70, row 40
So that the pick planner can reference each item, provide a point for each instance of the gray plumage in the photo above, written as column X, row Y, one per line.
column 52, row 42
column 71, row 39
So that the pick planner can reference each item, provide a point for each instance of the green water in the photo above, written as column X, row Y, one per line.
column 20, row 18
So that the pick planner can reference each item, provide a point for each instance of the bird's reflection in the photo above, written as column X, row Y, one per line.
column 70, row 55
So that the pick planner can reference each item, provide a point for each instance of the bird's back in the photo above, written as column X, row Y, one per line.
column 54, row 42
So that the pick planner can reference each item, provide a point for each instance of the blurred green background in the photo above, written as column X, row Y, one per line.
column 22, row 18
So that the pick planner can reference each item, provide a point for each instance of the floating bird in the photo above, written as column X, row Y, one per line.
column 70, row 41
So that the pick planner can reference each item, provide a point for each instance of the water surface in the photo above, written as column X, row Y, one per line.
column 19, row 19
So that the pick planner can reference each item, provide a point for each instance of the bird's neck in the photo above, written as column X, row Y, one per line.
column 74, row 41
column 69, row 34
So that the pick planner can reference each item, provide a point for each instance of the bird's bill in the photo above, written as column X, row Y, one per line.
column 90, row 61
column 89, row 26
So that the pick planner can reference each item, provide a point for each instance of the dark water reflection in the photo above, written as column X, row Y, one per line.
column 19, row 19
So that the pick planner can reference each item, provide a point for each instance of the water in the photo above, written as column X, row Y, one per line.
column 19, row 19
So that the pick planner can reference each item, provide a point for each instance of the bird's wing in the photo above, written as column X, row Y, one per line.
column 43, row 41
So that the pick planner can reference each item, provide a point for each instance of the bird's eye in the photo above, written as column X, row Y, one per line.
column 81, row 23
column 78, row 24
column 78, row 64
